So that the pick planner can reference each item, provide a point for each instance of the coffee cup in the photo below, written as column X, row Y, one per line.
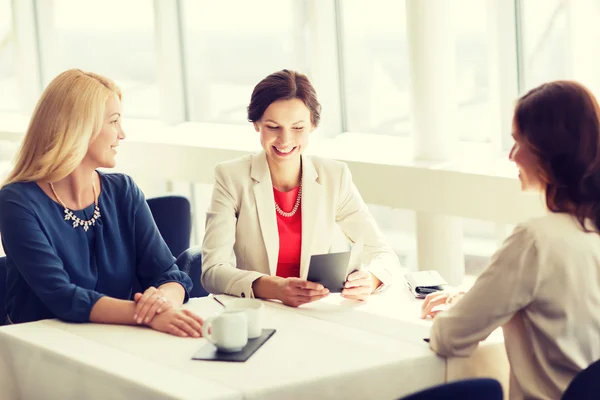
column 253, row 309
column 228, row 331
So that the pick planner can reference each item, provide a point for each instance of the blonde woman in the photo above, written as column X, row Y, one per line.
column 76, row 238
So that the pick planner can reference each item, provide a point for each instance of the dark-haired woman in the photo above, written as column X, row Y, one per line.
column 543, row 285
column 271, row 211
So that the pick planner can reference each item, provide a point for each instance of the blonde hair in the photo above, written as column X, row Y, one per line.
column 68, row 116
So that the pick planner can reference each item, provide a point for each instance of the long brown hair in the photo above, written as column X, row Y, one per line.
column 560, row 122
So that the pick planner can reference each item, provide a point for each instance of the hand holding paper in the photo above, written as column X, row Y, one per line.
column 359, row 285
column 333, row 270
column 295, row 291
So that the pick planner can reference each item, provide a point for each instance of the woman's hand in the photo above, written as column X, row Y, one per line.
column 152, row 302
column 441, row 301
column 178, row 322
column 295, row 291
column 359, row 285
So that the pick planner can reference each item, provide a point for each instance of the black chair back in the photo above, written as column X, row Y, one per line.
column 585, row 385
column 173, row 217
column 190, row 262
column 469, row 389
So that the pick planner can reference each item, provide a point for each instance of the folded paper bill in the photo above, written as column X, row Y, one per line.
column 421, row 283
column 331, row 270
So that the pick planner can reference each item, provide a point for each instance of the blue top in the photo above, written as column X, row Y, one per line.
column 57, row 271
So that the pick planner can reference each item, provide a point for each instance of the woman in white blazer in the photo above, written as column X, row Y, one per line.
column 543, row 285
column 271, row 211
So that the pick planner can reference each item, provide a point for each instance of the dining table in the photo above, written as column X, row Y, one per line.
column 332, row 348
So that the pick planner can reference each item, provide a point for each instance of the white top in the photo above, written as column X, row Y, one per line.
column 543, row 288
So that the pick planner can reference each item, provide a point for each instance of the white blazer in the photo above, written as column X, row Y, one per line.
column 241, row 242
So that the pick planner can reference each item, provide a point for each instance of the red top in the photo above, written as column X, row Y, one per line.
column 290, row 234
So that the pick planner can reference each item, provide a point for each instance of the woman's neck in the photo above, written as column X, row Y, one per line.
column 286, row 177
column 76, row 190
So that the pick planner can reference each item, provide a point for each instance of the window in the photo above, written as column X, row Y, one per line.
column 228, row 53
column 480, row 238
column 375, row 66
column 472, row 76
column 543, row 41
column 560, row 40
column 9, row 100
column 480, row 241
column 399, row 229
column 113, row 38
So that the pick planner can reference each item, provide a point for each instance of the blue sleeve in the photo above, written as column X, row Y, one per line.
column 36, row 260
column 155, row 263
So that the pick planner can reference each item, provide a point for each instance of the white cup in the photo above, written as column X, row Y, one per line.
column 228, row 331
column 253, row 309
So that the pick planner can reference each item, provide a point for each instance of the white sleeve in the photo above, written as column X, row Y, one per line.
column 506, row 286
column 219, row 271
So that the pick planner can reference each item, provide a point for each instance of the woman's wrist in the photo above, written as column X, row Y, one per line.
column 267, row 287
column 454, row 296
column 173, row 291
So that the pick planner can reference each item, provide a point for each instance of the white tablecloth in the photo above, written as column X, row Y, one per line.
column 42, row 360
column 395, row 313
column 331, row 349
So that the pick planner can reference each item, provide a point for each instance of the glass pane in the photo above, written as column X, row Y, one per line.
column 228, row 53
column 399, row 229
column 115, row 38
column 8, row 79
column 480, row 241
column 544, row 41
column 472, row 73
column 561, row 40
column 376, row 70
column 375, row 66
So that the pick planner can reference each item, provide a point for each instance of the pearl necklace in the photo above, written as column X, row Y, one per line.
column 296, row 204
column 69, row 215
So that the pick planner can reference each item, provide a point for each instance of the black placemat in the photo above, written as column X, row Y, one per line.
column 209, row 351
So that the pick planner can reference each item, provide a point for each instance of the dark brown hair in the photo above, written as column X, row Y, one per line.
column 284, row 85
column 560, row 122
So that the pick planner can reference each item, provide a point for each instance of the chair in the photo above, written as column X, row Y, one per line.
column 190, row 262
column 585, row 385
column 173, row 217
column 478, row 388
column 2, row 290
